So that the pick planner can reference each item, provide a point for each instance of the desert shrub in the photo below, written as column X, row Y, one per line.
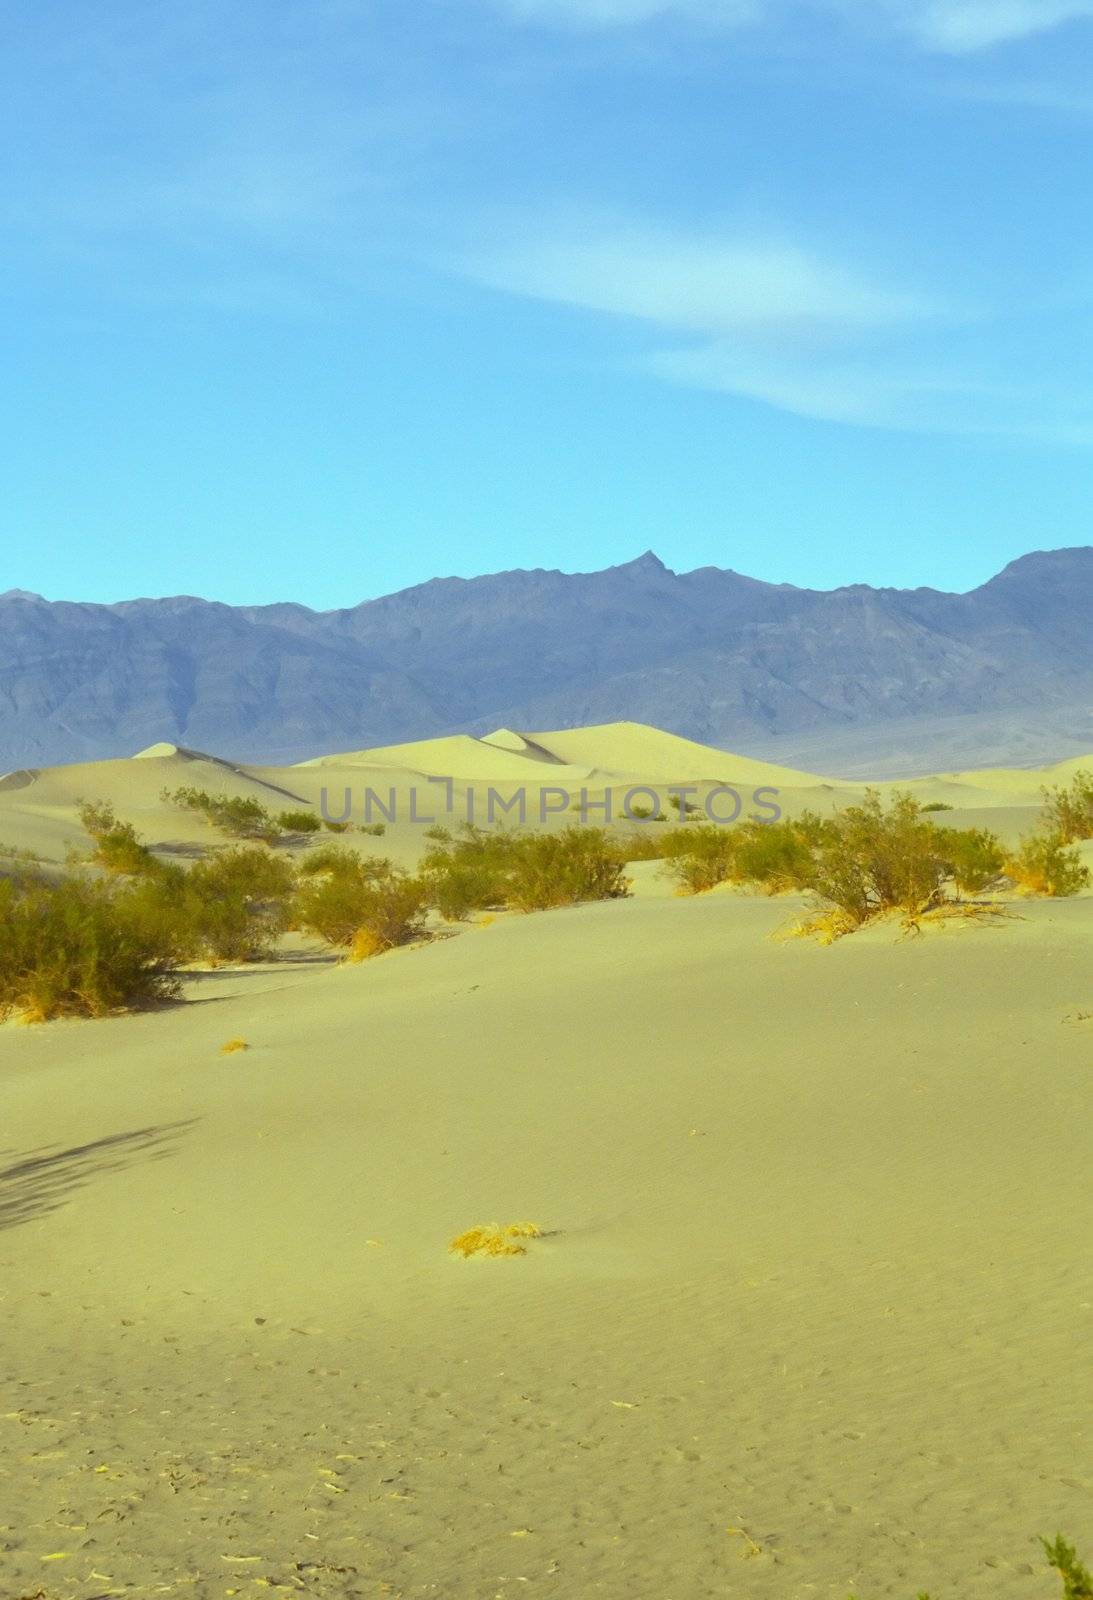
column 680, row 806
column 699, row 856
column 298, row 822
column 778, row 855
column 936, row 805
column 336, row 827
column 477, row 870
column 364, row 906
column 1063, row 1559
column 228, row 908
column 1070, row 810
column 1046, row 864
column 773, row 855
column 117, row 846
column 639, row 844
column 376, row 829
column 236, row 815
column 974, row 856
column 78, row 947
column 327, row 858
column 646, row 814
column 468, row 871
column 237, row 902
column 871, row 859
column 564, row 869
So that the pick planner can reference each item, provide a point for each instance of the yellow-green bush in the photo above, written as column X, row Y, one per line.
column 79, row 947
column 1070, row 810
column 1046, row 864
column 298, row 822
column 357, row 904
column 564, row 869
column 477, row 871
column 117, row 847
column 236, row 815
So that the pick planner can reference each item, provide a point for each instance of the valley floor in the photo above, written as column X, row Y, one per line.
column 811, row 1317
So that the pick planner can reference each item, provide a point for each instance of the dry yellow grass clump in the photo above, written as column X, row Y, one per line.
column 495, row 1241
column 230, row 1046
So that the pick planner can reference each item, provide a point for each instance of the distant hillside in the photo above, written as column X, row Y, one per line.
column 714, row 656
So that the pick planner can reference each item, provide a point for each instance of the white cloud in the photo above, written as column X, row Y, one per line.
column 958, row 26
column 698, row 285
column 889, row 390
column 793, row 329
column 952, row 26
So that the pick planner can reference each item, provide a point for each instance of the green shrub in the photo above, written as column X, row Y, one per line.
column 699, row 856
column 1070, row 810
column 298, row 822
column 772, row 855
column 236, row 815
column 871, row 859
column 117, row 846
column 1063, row 1559
column 367, row 904
column 468, row 872
column 376, row 829
column 336, row 827
column 778, row 855
column 79, row 948
column 230, row 907
column 476, row 870
column 936, row 805
column 564, row 869
column 646, row 814
column 1046, row 864
column 975, row 858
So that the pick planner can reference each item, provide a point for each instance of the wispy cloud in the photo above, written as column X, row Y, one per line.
column 951, row 26
column 793, row 328
column 713, row 286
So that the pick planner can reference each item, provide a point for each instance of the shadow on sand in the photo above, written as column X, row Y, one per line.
column 43, row 1180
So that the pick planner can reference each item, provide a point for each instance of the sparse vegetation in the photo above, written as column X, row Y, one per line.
column 1070, row 810
column 362, row 906
column 79, row 948
column 116, row 845
column 974, row 857
column 868, row 860
column 1046, row 864
column 478, row 871
column 376, row 829
column 232, row 1047
column 236, row 815
column 298, row 822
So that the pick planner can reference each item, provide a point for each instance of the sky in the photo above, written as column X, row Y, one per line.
column 318, row 299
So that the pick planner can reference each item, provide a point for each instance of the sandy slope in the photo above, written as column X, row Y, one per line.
column 38, row 808
column 818, row 1269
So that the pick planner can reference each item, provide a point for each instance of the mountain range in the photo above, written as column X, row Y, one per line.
column 874, row 676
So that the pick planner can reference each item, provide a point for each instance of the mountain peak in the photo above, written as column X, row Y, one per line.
column 649, row 562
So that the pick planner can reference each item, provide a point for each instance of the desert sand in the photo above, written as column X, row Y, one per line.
column 811, row 1311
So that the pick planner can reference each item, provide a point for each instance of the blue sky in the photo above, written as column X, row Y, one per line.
column 318, row 300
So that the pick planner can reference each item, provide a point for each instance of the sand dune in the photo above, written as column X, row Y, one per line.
column 38, row 807
column 812, row 1313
